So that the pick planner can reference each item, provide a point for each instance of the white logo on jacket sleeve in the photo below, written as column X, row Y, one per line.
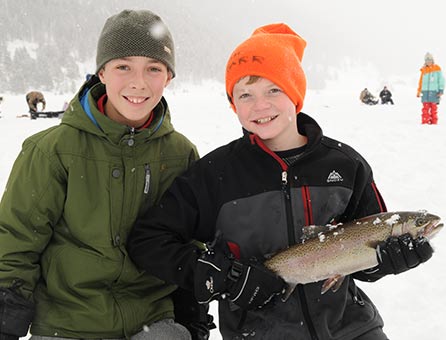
column 334, row 176
column 210, row 285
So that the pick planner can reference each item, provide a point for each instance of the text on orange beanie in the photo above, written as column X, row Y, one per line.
column 274, row 52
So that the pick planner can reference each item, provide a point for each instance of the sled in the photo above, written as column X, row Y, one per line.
column 46, row 114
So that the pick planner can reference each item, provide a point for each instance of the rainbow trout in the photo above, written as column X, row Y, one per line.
column 347, row 248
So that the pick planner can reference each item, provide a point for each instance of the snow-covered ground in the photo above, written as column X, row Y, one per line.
column 408, row 160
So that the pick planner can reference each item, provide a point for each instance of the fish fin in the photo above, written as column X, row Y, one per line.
column 288, row 291
column 333, row 283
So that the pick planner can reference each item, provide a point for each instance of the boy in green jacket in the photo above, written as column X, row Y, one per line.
column 77, row 188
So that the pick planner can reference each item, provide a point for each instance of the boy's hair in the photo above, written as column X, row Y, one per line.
column 135, row 33
column 274, row 52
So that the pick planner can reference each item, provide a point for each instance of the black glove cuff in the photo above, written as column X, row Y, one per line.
column 253, row 286
column 211, row 274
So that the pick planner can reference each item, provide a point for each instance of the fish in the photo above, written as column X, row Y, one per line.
column 343, row 249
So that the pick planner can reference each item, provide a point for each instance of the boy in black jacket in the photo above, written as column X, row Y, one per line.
column 250, row 199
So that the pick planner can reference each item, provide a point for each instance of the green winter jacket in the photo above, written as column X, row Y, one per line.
column 72, row 197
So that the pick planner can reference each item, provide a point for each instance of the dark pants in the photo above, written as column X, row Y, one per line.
column 386, row 100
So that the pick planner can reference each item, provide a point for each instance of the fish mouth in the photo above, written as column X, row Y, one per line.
column 432, row 229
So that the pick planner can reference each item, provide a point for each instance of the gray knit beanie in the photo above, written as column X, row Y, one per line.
column 428, row 57
column 135, row 33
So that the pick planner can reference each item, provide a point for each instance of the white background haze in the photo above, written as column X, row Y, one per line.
column 351, row 45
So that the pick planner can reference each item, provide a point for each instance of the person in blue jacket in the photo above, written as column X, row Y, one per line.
column 430, row 89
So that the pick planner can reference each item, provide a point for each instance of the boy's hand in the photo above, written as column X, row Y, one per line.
column 249, row 285
column 398, row 254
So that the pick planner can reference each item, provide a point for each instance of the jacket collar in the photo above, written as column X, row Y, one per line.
column 84, row 114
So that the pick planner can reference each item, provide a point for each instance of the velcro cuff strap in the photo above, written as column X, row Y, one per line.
column 242, row 288
column 236, row 271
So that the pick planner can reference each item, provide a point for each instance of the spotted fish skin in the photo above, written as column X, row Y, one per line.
column 347, row 248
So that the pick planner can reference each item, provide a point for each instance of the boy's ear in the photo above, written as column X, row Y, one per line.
column 101, row 75
column 169, row 78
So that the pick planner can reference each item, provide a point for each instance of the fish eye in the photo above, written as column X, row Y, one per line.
column 420, row 221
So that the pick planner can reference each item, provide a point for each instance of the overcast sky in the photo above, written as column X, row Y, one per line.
column 393, row 35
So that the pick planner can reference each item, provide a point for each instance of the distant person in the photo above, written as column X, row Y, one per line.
column 386, row 96
column 367, row 98
column 33, row 99
column 430, row 89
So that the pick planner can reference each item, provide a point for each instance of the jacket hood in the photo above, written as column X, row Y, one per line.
column 430, row 68
column 83, row 114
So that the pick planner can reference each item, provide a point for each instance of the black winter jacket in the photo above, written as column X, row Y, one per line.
column 247, row 192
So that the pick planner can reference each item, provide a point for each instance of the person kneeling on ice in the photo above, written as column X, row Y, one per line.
column 33, row 99
column 386, row 96
column 367, row 97
column 430, row 89
column 249, row 199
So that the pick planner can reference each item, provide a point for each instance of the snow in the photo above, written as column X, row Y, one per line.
column 408, row 160
column 30, row 47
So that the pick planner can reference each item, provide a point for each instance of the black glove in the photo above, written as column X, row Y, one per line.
column 201, row 330
column 192, row 315
column 16, row 314
column 249, row 284
column 398, row 254
column 8, row 337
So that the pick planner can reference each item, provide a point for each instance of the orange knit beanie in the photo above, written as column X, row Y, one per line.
column 274, row 52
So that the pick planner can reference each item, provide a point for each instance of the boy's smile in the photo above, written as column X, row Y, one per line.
column 136, row 100
column 265, row 120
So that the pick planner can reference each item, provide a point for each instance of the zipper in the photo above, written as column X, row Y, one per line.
column 288, row 208
column 285, row 187
column 131, row 140
column 291, row 234
column 306, row 314
column 356, row 296
column 147, row 179
column 358, row 300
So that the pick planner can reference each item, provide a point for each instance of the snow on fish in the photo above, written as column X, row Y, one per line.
column 346, row 248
